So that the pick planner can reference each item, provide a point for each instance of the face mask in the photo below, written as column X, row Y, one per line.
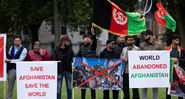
column 37, row 52
column 67, row 46
column 130, row 44
column 146, row 40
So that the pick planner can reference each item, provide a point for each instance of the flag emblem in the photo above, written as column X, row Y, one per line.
column 119, row 17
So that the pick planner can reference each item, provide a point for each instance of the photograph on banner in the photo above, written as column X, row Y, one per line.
column 2, row 57
column 97, row 73
column 36, row 80
column 177, row 87
column 149, row 69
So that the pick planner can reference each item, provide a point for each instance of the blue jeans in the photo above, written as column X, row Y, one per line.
column 68, row 84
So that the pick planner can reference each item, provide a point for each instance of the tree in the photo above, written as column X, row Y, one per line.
column 175, row 8
column 31, row 13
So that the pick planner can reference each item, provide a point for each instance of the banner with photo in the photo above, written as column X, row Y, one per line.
column 36, row 80
column 150, row 69
column 177, row 87
column 2, row 57
column 97, row 73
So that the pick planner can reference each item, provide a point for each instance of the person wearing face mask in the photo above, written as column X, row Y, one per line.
column 88, row 50
column 109, row 53
column 37, row 54
column 64, row 53
column 17, row 53
column 121, row 42
column 148, row 45
column 124, row 57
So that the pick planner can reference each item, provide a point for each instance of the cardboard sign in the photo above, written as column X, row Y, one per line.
column 149, row 69
column 36, row 80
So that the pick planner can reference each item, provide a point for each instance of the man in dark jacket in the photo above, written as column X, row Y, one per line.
column 64, row 53
column 121, row 43
column 88, row 50
column 177, row 52
column 149, row 45
column 110, row 53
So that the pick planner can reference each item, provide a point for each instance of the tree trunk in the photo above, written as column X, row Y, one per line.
column 56, row 23
column 181, row 28
column 34, row 31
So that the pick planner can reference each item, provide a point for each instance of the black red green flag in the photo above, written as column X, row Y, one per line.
column 109, row 16
column 155, row 10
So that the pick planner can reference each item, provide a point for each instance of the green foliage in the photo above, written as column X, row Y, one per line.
column 18, row 13
column 175, row 9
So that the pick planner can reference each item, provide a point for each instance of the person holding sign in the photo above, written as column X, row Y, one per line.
column 37, row 54
column 88, row 50
column 16, row 53
column 124, row 57
column 177, row 52
column 150, row 44
column 64, row 53
column 110, row 53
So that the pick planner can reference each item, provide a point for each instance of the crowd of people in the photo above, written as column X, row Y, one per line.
column 63, row 52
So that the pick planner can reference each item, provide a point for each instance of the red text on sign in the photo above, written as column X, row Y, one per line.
column 44, row 85
column 36, row 68
column 31, row 85
column 33, row 94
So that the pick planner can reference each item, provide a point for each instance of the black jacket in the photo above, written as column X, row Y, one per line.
column 119, row 47
column 57, row 56
column 109, row 55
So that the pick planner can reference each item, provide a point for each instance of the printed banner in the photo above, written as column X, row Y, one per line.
column 36, row 80
column 177, row 88
column 149, row 69
column 97, row 73
column 2, row 57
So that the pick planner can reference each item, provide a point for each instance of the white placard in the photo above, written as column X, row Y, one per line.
column 149, row 69
column 36, row 80
column 2, row 57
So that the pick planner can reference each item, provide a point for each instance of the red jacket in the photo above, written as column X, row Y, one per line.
column 32, row 56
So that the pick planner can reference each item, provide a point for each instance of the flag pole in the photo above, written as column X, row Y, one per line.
column 121, row 94
column 73, row 93
column 145, row 7
column 4, row 89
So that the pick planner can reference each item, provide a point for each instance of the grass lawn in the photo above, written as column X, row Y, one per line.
column 99, row 93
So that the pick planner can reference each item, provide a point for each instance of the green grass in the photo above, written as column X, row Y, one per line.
column 77, row 92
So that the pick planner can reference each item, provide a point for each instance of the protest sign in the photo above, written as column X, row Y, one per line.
column 149, row 69
column 177, row 87
column 97, row 73
column 2, row 57
column 36, row 80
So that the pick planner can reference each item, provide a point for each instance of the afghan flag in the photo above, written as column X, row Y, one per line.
column 109, row 16
column 155, row 10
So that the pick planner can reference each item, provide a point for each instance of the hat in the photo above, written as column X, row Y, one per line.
column 64, row 38
column 110, row 41
column 148, row 32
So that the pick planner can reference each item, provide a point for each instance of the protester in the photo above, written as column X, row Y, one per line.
column 64, row 53
column 148, row 45
column 121, row 42
column 177, row 52
column 124, row 57
column 37, row 54
column 110, row 53
column 88, row 50
column 17, row 53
